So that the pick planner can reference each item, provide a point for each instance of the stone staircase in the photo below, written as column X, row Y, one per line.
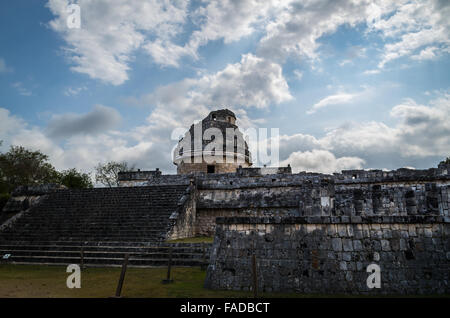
column 106, row 223
column 106, row 254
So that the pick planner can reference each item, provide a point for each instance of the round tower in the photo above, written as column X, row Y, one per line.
column 214, row 145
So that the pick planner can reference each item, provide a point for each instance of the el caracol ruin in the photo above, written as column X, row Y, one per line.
column 310, row 232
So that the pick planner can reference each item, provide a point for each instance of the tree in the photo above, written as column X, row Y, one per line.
column 3, row 184
column 76, row 180
column 108, row 173
column 446, row 161
column 20, row 166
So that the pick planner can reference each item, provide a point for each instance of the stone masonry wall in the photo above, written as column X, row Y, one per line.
column 330, row 255
column 317, row 195
column 271, row 195
column 278, row 192
column 206, row 218
column 183, row 220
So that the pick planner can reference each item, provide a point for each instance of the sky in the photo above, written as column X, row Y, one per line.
column 349, row 84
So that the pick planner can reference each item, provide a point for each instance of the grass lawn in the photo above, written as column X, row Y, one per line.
column 50, row 281
column 200, row 239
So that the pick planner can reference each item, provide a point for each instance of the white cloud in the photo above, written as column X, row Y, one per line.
column 345, row 62
column 298, row 74
column 9, row 124
column 82, row 151
column 3, row 67
column 295, row 31
column 371, row 72
column 167, row 53
column 409, row 43
column 405, row 27
column 420, row 137
column 226, row 20
column 421, row 131
column 111, row 32
column 321, row 161
column 426, row 54
column 73, row 91
column 231, row 20
column 337, row 99
column 418, row 25
column 21, row 89
column 83, row 140
column 253, row 82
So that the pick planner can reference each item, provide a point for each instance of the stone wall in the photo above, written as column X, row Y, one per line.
column 186, row 168
column 206, row 218
column 275, row 191
column 330, row 255
column 317, row 195
column 397, row 198
column 167, row 179
column 267, row 195
column 183, row 220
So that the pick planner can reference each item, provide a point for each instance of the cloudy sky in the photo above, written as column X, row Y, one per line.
column 350, row 84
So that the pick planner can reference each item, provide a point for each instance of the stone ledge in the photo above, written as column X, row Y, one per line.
column 421, row 219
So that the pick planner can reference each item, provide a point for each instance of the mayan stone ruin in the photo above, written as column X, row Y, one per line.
column 310, row 232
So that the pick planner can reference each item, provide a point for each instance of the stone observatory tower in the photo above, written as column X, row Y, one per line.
column 214, row 145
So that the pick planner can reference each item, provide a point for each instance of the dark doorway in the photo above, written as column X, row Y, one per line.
column 211, row 169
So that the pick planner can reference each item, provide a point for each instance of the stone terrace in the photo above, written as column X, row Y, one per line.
column 106, row 222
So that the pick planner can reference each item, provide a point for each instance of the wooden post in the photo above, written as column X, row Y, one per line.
column 122, row 275
column 255, row 277
column 82, row 258
column 169, row 267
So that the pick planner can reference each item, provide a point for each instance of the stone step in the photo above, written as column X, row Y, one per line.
column 100, row 254
column 112, row 223
column 107, row 222
column 102, row 261
column 101, row 243
column 111, row 227
column 87, row 220
column 108, row 249
column 82, row 231
column 77, row 237
column 107, row 253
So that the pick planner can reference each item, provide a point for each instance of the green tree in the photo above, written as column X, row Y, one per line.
column 3, row 185
column 446, row 161
column 20, row 166
column 108, row 173
column 71, row 178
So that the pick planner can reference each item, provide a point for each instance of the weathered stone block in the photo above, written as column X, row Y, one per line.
column 336, row 243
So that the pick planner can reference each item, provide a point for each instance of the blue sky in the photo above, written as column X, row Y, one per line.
column 349, row 85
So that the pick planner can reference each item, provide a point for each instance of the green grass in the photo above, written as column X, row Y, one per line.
column 50, row 281
column 200, row 239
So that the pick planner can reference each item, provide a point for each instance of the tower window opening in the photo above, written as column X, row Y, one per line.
column 211, row 169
